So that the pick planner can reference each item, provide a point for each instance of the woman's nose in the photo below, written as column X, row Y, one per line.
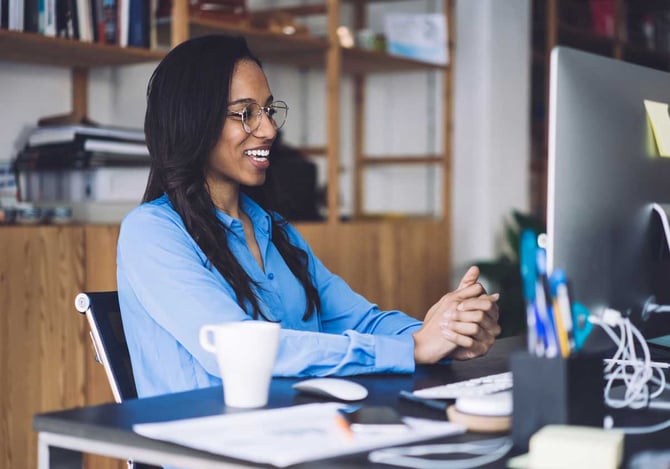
column 267, row 127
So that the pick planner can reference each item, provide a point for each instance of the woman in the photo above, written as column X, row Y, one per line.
column 200, row 251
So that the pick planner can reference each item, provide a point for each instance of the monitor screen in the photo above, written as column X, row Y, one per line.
column 604, row 175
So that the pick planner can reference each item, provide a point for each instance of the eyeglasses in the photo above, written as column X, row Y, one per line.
column 252, row 115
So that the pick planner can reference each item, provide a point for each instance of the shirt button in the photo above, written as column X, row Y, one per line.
column 271, row 275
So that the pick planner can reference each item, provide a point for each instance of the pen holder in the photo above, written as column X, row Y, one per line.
column 555, row 391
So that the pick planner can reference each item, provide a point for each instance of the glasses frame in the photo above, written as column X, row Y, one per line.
column 262, row 110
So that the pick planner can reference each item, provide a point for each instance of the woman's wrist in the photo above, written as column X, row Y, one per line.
column 428, row 350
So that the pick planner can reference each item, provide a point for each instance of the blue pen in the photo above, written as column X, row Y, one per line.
column 544, row 306
column 527, row 258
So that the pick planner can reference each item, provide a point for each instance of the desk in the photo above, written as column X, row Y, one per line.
column 107, row 429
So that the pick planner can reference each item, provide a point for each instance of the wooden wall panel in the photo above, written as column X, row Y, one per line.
column 398, row 264
column 101, row 257
column 41, row 269
column 100, row 262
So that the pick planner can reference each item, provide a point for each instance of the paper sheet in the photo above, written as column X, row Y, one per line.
column 286, row 436
column 660, row 125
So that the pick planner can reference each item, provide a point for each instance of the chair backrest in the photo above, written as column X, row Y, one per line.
column 109, row 341
column 104, row 318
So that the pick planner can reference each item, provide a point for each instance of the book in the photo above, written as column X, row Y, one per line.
column 31, row 16
column 66, row 19
column 49, row 17
column 4, row 14
column 97, row 24
column 68, row 133
column 139, row 23
column 109, row 18
column 122, row 22
column 118, row 147
column 84, row 20
column 15, row 18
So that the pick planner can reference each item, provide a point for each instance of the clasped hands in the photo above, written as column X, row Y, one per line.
column 463, row 324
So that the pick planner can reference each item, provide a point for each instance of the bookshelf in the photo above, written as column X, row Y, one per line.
column 630, row 30
column 300, row 51
column 34, row 48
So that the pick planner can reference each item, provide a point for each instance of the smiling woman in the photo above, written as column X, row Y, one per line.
column 200, row 250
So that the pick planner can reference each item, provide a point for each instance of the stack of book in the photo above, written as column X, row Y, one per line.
column 119, row 22
column 81, row 147
column 78, row 163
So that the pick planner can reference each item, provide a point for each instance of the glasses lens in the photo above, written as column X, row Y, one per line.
column 251, row 117
column 277, row 113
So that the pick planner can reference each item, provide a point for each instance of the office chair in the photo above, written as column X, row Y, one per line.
column 109, row 342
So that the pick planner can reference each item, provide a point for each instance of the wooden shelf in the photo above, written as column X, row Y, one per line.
column 297, row 51
column 363, row 61
column 302, row 51
column 367, row 2
column 43, row 50
column 402, row 160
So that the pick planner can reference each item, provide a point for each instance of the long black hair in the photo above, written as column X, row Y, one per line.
column 187, row 100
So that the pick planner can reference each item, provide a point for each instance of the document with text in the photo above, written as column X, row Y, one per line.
column 288, row 435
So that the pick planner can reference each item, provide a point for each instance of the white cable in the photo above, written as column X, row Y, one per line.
column 642, row 378
column 486, row 452
column 643, row 430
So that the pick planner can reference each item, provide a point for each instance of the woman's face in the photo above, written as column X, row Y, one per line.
column 239, row 157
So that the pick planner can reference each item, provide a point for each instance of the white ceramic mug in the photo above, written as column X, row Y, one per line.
column 246, row 353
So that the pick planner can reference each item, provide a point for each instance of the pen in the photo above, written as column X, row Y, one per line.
column 528, row 275
column 344, row 426
column 562, row 311
column 432, row 403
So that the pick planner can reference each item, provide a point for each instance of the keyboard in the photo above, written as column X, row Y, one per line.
column 472, row 387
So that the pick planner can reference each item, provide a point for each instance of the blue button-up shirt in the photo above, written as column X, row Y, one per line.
column 168, row 291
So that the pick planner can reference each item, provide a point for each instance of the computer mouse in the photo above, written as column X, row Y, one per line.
column 336, row 388
column 491, row 405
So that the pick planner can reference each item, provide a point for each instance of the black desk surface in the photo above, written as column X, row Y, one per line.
column 114, row 422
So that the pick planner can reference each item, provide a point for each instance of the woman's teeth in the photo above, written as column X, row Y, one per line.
column 258, row 155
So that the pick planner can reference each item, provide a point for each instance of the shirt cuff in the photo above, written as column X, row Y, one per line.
column 394, row 353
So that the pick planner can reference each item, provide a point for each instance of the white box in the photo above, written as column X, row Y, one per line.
column 109, row 184
column 417, row 36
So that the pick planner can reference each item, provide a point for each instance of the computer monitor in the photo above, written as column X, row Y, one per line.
column 604, row 175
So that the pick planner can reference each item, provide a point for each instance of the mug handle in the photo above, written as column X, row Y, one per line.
column 205, row 338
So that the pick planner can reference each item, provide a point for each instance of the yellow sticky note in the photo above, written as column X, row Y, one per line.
column 660, row 125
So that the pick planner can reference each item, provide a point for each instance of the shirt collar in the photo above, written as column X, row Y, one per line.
column 259, row 217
